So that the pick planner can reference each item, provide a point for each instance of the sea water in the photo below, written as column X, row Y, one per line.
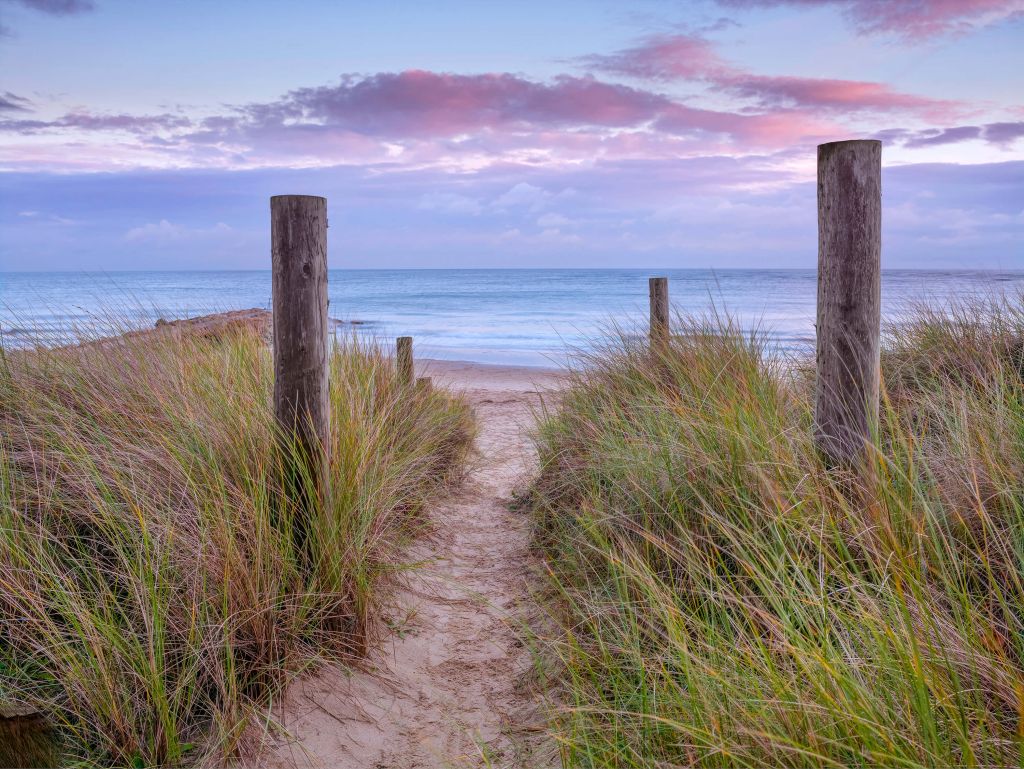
column 519, row 317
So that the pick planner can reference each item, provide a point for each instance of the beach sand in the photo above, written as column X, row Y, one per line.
column 451, row 686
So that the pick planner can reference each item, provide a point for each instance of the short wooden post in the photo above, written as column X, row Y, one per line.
column 424, row 384
column 659, row 323
column 849, row 297
column 26, row 739
column 298, row 233
column 405, row 366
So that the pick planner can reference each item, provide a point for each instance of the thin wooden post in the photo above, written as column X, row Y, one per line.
column 405, row 366
column 298, row 234
column 659, row 323
column 849, row 297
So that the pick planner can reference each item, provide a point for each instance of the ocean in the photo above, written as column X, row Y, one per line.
column 518, row 317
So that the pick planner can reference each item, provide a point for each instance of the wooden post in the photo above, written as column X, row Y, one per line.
column 659, row 324
column 849, row 297
column 298, row 234
column 405, row 367
column 26, row 739
column 424, row 384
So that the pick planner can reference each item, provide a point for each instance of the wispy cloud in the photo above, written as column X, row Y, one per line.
column 1000, row 134
column 90, row 121
column 691, row 57
column 908, row 19
column 57, row 7
column 164, row 232
column 53, row 7
column 11, row 102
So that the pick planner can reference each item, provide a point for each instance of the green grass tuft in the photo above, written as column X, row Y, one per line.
column 725, row 600
column 151, row 596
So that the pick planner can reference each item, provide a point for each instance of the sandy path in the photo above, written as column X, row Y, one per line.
column 451, row 688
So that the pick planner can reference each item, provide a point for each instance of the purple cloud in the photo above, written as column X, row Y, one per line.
column 1002, row 134
column 11, row 102
column 944, row 136
column 908, row 19
column 88, row 121
column 58, row 7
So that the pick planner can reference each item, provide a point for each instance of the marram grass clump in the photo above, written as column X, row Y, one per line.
column 152, row 602
column 727, row 600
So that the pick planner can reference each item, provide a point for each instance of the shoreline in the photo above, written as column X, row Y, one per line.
column 473, row 376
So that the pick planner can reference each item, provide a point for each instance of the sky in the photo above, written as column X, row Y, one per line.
column 477, row 133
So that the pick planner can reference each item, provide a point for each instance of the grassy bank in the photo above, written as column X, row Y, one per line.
column 728, row 601
column 151, row 597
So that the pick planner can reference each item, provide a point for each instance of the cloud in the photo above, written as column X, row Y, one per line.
column 425, row 104
column 663, row 57
column 420, row 106
column 523, row 195
column 1004, row 133
column 832, row 94
column 53, row 7
column 944, row 136
column 449, row 203
column 11, row 102
column 41, row 216
column 415, row 118
column 908, row 19
column 691, row 57
column 163, row 232
column 999, row 134
column 88, row 121
column 58, row 7
column 707, row 211
column 550, row 220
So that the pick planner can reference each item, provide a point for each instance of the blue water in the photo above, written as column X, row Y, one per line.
column 525, row 317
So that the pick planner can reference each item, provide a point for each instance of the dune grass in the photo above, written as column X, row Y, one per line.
column 726, row 600
column 152, row 598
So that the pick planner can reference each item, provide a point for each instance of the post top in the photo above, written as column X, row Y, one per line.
column 306, row 197
column 850, row 142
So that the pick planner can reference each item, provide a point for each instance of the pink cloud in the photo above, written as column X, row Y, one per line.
column 776, row 129
column 664, row 57
column 419, row 103
column 689, row 57
column 908, row 19
column 436, row 115
column 466, row 122
column 833, row 94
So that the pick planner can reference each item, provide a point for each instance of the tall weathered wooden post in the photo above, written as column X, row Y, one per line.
column 849, row 297
column 405, row 364
column 659, row 323
column 298, row 234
